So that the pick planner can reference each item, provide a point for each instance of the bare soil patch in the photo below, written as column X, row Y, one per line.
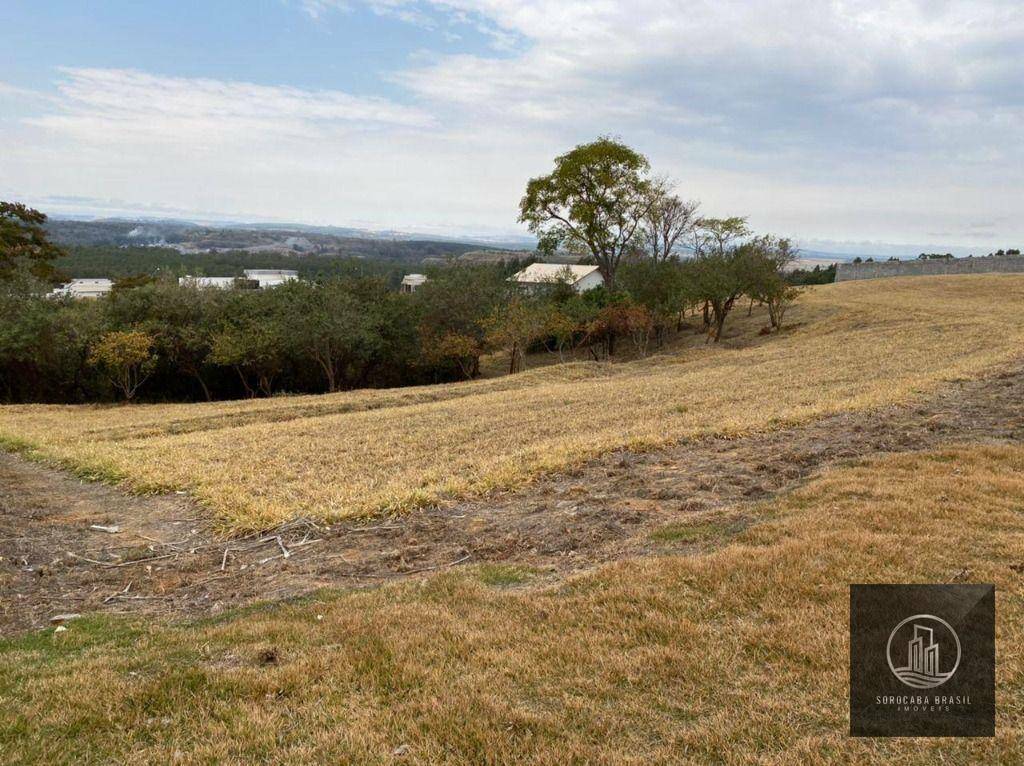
column 166, row 558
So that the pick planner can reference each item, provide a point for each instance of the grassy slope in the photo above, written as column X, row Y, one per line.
column 738, row 655
column 856, row 345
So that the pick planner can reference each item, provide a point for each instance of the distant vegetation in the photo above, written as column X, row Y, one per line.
column 98, row 261
column 344, row 326
column 132, row 238
column 815, row 276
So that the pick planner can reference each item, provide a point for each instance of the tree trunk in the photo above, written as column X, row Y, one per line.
column 202, row 384
column 249, row 392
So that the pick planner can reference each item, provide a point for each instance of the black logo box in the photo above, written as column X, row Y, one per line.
column 883, row 705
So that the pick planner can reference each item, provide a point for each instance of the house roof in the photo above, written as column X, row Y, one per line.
column 208, row 281
column 88, row 285
column 541, row 273
column 255, row 273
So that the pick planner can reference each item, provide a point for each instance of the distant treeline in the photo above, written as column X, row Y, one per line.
column 815, row 276
column 136, row 236
column 158, row 340
column 99, row 261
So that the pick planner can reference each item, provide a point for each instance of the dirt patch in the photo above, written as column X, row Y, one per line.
column 165, row 558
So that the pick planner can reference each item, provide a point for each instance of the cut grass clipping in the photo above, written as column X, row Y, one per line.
column 254, row 463
column 735, row 656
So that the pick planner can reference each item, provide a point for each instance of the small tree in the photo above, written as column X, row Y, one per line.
column 252, row 340
column 768, row 258
column 716, row 235
column 631, row 319
column 453, row 307
column 660, row 287
column 594, row 202
column 515, row 326
column 333, row 327
column 561, row 329
column 717, row 278
column 669, row 220
column 454, row 348
column 126, row 358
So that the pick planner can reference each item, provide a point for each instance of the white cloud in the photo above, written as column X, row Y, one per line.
column 841, row 119
column 119, row 104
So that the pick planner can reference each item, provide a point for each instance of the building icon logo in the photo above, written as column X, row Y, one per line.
column 923, row 651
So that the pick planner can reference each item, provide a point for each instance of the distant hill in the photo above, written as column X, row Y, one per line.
column 189, row 238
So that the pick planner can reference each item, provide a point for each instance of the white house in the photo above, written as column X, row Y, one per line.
column 223, row 283
column 581, row 278
column 84, row 288
column 412, row 282
column 270, row 277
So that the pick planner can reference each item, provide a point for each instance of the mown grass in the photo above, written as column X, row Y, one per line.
column 734, row 656
column 853, row 345
column 691, row 532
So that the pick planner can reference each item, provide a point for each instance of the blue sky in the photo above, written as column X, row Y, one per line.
column 849, row 121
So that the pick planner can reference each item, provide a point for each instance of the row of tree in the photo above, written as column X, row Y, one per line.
column 660, row 261
column 169, row 341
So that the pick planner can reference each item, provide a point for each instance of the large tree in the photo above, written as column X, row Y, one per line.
column 25, row 243
column 593, row 203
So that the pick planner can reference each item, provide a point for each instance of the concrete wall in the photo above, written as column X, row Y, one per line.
column 1000, row 264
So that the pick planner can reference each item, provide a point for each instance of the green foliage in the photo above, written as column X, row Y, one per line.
column 661, row 287
column 453, row 308
column 768, row 259
column 119, row 262
column 593, row 203
column 517, row 324
column 714, row 236
column 24, row 243
column 252, row 339
column 126, row 357
column 337, row 324
column 346, row 326
column 815, row 276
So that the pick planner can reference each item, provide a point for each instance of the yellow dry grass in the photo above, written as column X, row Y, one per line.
column 855, row 345
column 736, row 656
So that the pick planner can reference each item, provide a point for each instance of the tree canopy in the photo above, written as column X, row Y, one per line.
column 24, row 242
column 593, row 203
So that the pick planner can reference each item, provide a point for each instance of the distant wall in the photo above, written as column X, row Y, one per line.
column 989, row 264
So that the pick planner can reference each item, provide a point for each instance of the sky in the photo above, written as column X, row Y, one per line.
column 844, row 124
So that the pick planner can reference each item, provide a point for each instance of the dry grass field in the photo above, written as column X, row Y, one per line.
column 734, row 656
column 853, row 345
column 732, row 651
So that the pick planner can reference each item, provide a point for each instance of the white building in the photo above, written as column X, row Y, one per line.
column 84, row 288
column 411, row 282
column 581, row 278
column 223, row 283
column 270, row 277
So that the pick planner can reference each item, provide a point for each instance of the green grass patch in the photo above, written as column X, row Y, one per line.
column 504, row 575
column 685, row 532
